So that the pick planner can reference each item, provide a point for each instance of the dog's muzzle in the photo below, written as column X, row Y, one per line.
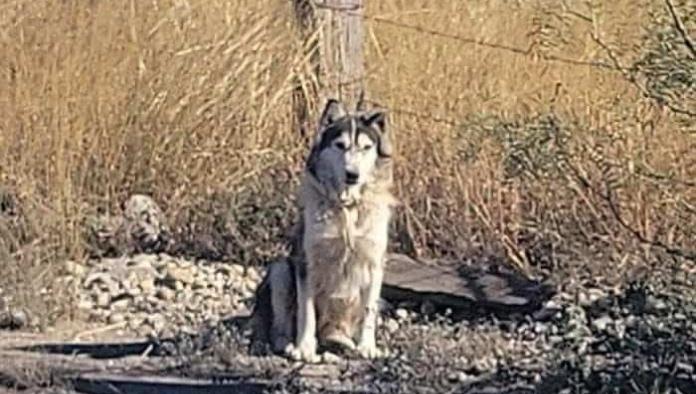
column 352, row 178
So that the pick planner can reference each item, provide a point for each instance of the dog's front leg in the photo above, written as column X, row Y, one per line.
column 305, row 348
column 367, row 346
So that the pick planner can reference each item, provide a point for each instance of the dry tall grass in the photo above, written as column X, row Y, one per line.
column 189, row 101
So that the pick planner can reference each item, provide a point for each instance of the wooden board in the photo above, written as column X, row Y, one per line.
column 492, row 289
column 86, row 370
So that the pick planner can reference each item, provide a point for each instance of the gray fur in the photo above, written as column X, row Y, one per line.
column 327, row 290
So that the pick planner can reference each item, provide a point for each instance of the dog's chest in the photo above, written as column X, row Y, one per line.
column 346, row 242
column 351, row 225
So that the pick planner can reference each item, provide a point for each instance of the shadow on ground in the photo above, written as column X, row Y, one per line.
column 638, row 341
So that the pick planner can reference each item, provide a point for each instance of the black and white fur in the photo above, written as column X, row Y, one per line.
column 328, row 289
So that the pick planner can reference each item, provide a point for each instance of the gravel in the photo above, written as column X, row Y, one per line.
column 154, row 294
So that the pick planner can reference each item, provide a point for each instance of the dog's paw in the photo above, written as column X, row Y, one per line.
column 330, row 358
column 369, row 350
column 339, row 341
column 306, row 352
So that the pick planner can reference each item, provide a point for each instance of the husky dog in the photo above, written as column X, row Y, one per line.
column 327, row 291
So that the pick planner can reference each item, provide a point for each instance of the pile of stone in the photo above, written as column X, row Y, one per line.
column 140, row 228
column 157, row 294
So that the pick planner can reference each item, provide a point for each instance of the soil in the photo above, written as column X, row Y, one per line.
column 639, row 337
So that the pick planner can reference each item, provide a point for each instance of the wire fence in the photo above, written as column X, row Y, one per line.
column 612, row 66
column 356, row 11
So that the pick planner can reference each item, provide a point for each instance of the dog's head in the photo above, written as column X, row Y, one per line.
column 349, row 150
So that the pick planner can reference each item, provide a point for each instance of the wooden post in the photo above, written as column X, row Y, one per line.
column 341, row 50
column 304, row 95
column 337, row 54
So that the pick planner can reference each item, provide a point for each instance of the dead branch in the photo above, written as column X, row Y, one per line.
column 679, row 25
column 629, row 75
column 615, row 212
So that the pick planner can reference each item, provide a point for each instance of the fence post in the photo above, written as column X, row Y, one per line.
column 306, row 90
column 342, row 50
column 336, row 54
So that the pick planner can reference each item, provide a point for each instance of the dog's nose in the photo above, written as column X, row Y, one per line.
column 351, row 177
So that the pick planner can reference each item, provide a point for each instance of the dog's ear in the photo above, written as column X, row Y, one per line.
column 333, row 111
column 377, row 119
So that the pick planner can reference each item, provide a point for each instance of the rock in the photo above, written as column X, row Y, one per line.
column 654, row 305
column 147, row 285
column 102, row 299
column 132, row 290
column 187, row 329
column 391, row 325
column 459, row 377
column 193, row 304
column 144, row 224
column 589, row 296
column 540, row 328
column 98, row 278
column 235, row 270
column 253, row 274
column 104, row 234
column 98, row 314
column 74, row 269
column 13, row 319
column 156, row 321
column 120, row 304
column 199, row 283
column 685, row 367
column 178, row 274
column 116, row 318
column 165, row 294
column 401, row 313
column 85, row 305
column 485, row 364
column 602, row 324
column 143, row 260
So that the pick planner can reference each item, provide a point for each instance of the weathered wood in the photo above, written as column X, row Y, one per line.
column 341, row 51
column 99, row 350
column 245, row 374
column 109, row 384
column 307, row 87
column 496, row 290
column 136, row 373
column 335, row 54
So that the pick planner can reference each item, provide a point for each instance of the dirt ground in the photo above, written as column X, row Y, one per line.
column 637, row 339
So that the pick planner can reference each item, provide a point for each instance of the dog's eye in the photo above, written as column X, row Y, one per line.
column 366, row 147
column 340, row 145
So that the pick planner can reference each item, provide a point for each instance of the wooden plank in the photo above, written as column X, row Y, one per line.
column 139, row 374
column 105, row 350
column 498, row 290
column 92, row 383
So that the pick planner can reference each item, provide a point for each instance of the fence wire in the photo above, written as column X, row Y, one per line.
column 356, row 11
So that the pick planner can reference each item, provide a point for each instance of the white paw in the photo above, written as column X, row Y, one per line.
column 330, row 358
column 369, row 350
column 306, row 351
column 339, row 340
